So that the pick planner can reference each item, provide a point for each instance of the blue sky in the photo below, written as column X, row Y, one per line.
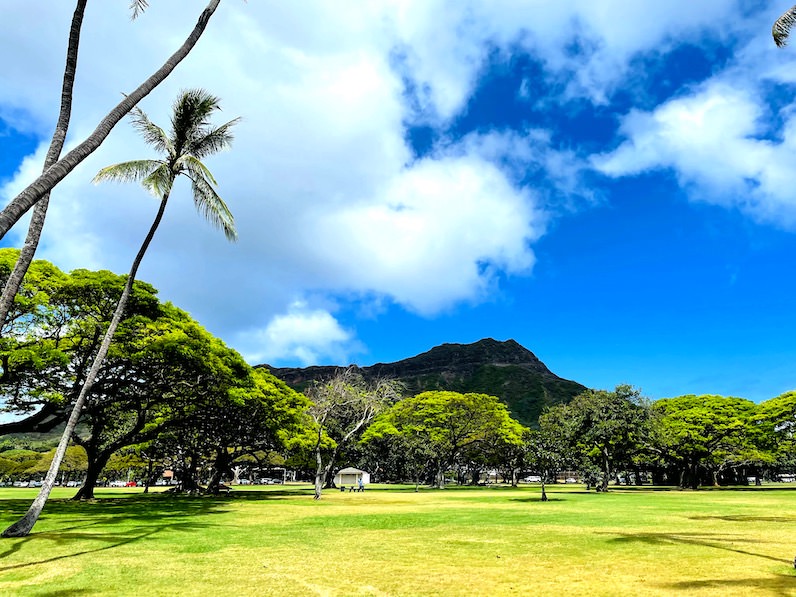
column 607, row 183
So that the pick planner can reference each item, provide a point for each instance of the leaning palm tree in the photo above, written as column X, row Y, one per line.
column 782, row 26
column 20, row 204
column 192, row 137
column 38, row 193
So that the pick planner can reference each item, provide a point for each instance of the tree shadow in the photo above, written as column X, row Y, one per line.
column 535, row 499
column 724, row 542
column 88, row 521
column 112, row 541
column 779, row 584
column 746, row 518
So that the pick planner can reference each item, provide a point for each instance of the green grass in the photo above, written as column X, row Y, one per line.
column 393, row 541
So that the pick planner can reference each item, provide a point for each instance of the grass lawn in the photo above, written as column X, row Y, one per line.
column 390, row 540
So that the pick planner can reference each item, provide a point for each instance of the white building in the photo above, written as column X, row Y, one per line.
column 350, row 477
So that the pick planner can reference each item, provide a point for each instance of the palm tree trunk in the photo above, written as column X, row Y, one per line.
column 23, row 526
column 40, row 211
column 58, row 171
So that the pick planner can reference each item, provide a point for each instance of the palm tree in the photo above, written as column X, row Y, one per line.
column 781, row 28
column 20, row 204
column 191, row 138
column 53, row 152
column 39, row 214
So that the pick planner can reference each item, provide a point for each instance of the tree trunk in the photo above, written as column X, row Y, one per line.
column 40, row 211
column 606, row 471
column 544, row 493
column 58, row 171
column 439, row 477
column 95, row 466
column 22, row 527
column 319, row 476
column 328, row 480
column 149, row 466
column 187, row 475
column 220, row 466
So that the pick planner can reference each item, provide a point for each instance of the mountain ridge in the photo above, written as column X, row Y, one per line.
column 505, row 369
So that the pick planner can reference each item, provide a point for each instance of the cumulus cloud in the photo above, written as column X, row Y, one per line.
column 717, row 142
column 434, row 234
column 307, row 335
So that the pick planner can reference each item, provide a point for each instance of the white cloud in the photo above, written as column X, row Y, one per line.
column 716, row 142
column 307, row 335
column 434, row 234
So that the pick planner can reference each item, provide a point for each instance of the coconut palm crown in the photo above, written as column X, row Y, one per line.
column 782, row 27
column 191, row 138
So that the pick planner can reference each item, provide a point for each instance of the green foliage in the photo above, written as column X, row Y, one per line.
column 525, row 392
column 604, row 427
column 697, row 431
column 445, row 423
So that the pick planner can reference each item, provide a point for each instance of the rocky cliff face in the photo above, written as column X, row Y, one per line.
column 503, row 369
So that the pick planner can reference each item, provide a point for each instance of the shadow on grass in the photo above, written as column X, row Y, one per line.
column 779, row 584
column 68, row 522
column 724, row 542
column 111, row 540
column 537, row 499
column 746, row 518
column 674, row 488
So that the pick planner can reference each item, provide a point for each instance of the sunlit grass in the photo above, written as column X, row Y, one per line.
column 393, row 541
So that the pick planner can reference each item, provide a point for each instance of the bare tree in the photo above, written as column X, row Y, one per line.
column 341, row 409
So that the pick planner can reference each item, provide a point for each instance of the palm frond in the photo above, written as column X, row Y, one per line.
column 192, row 137
column 207, row 201
column 132, row 171
column 152, row 133
column 212, row 141
column 160, row 181
column 194, row 167
column 191, row 113
column 782, row 26
column 137, row 7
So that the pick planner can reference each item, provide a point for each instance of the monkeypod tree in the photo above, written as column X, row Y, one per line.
column 606, row 428
column 447, row 423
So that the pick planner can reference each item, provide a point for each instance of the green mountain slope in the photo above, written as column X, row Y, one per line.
column 503, row 369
